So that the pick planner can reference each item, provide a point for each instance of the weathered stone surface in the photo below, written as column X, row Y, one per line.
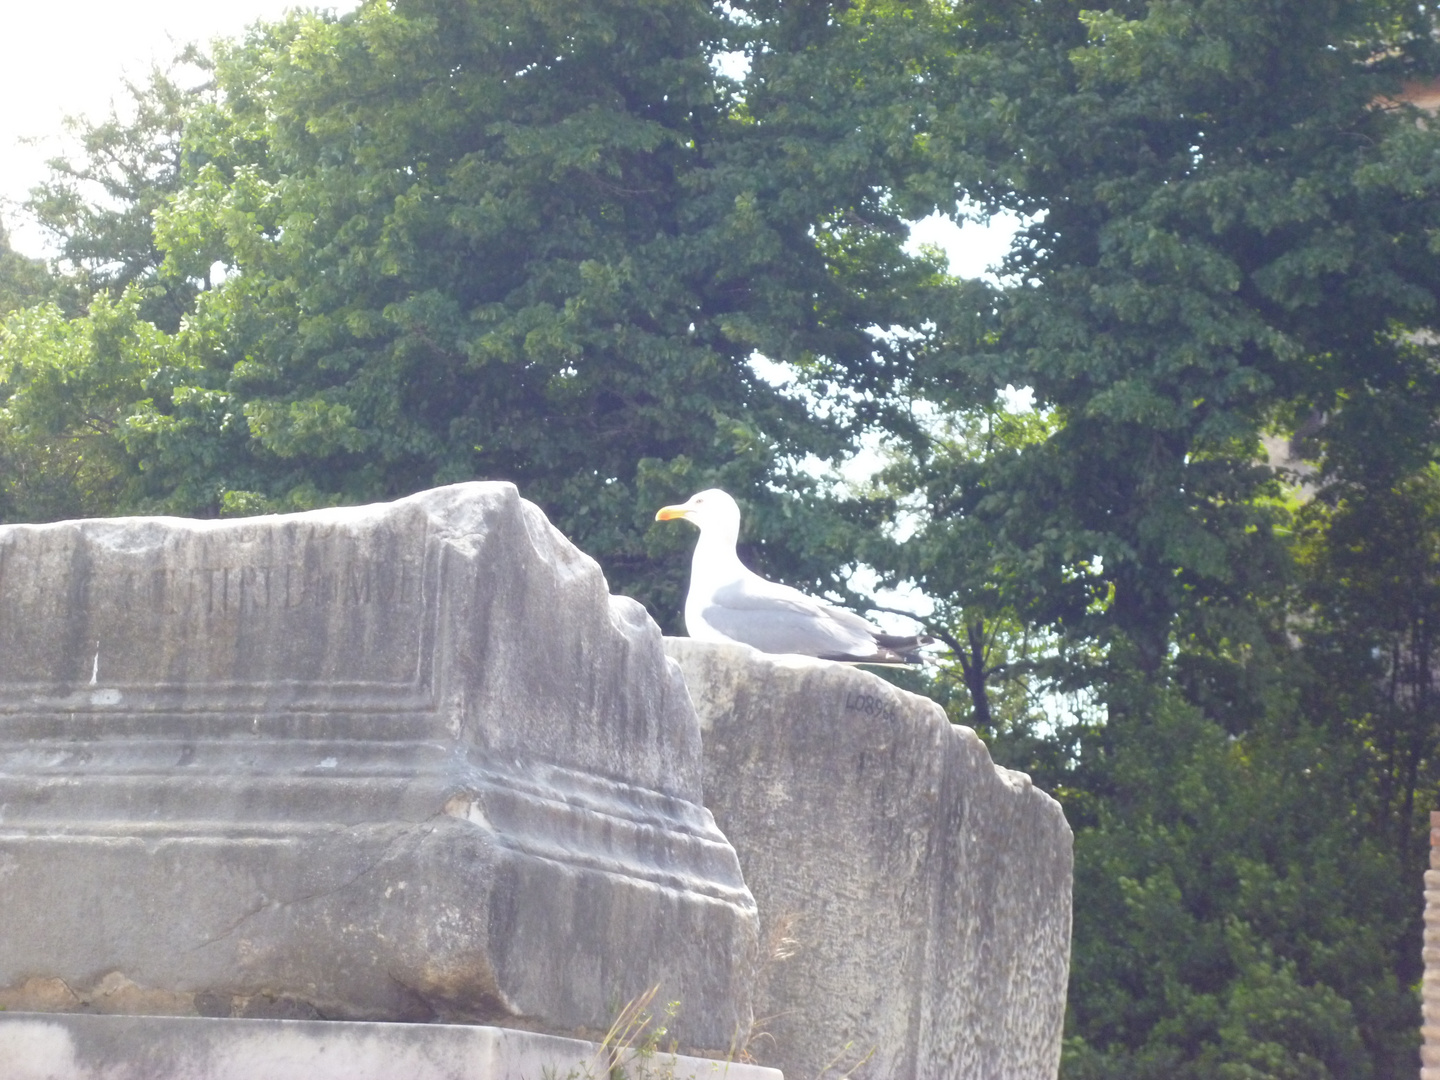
column 79, row 1047
column 923, row 893
column 397, row 762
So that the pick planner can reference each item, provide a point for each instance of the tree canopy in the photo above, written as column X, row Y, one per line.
column 1233, row 224
column 498, row 240
column 99, row 209
column 23, row 281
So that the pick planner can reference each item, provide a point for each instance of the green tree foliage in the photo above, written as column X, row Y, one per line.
column 1229, row 229
column 1225, row 921
column 23, row 281
column 99, row 209
column 1003, row 660
column 1372, row 577
column 510, row 240
column 67, row 391
column 1232, row 232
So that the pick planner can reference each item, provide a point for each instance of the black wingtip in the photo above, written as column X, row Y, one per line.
column 882, row 657
column 901, row 649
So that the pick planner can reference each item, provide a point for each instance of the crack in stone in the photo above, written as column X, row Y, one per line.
column 234, row 926
column 424, row 828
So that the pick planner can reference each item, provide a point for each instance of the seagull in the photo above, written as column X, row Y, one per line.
column 729, row 603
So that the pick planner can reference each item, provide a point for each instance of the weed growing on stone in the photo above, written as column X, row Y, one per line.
column 634, row 1048
column 835, row 1063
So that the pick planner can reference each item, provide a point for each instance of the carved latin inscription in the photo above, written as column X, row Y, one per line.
column 218, row 603
column 239, row 589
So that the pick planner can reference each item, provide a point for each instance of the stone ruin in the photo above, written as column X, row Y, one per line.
column 358, row 777
column 914, row 898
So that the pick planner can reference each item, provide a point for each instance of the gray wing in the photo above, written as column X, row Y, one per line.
column 778, row 619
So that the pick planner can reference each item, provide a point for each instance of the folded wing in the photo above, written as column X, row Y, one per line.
column 778, row 619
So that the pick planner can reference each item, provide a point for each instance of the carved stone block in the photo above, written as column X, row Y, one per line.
column 914, row 897
column 408, row 761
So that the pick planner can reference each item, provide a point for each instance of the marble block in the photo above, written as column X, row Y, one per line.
column 401, row 762
column 914, row 897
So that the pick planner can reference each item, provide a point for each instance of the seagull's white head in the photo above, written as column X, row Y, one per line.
column 712, row 511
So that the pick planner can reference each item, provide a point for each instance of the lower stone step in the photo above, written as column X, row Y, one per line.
column 78, row 1046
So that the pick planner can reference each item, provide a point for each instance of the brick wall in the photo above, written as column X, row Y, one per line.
column 1430, row 987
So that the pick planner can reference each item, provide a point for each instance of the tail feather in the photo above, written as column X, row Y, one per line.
column 905, row 648
column 891, row 650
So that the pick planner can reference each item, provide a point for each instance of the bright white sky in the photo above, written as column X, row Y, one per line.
column 63, row 58
column 69, row 57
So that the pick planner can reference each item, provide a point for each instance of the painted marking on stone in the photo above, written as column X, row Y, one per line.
column 95, row 668
column 871, row 705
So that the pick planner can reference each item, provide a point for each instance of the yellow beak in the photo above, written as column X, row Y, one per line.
column 670, row 513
